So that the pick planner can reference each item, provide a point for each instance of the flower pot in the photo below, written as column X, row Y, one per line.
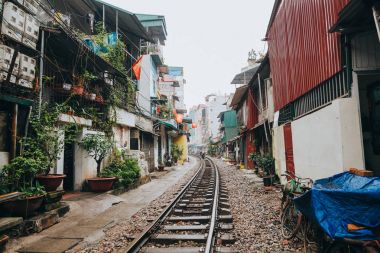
column 76, row 89
column 161, row 167
column 51, row 181
column 101, row 184
column 23, row 207
column 99, row 99
column 268, row 180
column 92, row 96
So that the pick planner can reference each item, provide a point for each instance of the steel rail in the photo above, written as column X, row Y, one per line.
column 211, row 234
column 144, row 236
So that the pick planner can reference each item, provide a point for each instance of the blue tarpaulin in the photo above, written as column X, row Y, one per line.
column 344, row 199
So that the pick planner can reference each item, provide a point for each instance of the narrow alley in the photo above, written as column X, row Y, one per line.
column 189, row 126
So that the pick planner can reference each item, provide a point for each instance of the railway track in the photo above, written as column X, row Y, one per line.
column 198, row 220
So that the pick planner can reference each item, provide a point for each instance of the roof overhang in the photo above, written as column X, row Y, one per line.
column 127, row 21
column 356, row 16
column 245, row 76
column 155, row 24
column 238, row 96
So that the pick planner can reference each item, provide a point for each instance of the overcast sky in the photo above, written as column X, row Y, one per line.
column 209, row 38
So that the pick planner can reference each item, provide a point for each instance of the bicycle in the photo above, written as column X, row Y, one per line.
column 294, row 223
column 291, row 218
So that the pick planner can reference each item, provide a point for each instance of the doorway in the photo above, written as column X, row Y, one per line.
column 369, row 97
column 69, row 166
column 289, row 158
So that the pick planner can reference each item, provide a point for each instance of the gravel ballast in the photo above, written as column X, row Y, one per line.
column 121, row 234
column 255, row 212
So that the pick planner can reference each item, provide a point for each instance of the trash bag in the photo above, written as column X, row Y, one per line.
column 343, row 202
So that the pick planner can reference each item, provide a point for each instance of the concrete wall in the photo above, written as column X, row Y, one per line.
column 4, row 158
column 85, row 166
column 324, row 142
column 279, row 151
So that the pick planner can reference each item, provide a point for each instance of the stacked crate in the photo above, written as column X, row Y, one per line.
column 19, row 24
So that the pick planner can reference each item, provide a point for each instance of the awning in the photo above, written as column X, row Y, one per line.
column 16, row 100
column 144, row 125
column 238, row 96
column 168, row 124
column 245, row 76
column 356, row 16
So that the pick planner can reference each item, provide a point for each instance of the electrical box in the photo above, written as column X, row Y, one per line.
column 27, row 67
column 6, row 55
column 13, row 24
column 3, row 77
column 25, row 83
column 31, row 31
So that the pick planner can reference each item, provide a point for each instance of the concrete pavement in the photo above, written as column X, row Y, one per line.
column 91, row 213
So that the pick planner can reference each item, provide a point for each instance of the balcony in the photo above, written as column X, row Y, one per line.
column 156, row 51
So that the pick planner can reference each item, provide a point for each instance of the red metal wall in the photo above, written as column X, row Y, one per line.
column 302, row 51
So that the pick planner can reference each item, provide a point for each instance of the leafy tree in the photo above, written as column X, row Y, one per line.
column 98, row 147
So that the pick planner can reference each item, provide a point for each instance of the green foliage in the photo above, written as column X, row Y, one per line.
column 19, row 176
column 98, row 147
column 127, row 171
column 45, row 143
column 212, row 150
column 114, row 54
column 266, row 162
column 176, row 152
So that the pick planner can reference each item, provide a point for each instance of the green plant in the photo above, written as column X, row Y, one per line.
column 45, row 142
column 19, row 176
column 127, row 171
column 98, row 147
column 267, row 163
column 176, row 152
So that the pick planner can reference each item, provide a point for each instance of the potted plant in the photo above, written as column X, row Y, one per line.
column 161, row 165
column 98, row 147
column 177, row 152
column 255, row 158
column 267, row 163
column 19, row 176
column 81, row 81
column 127, row 171
column 47, row 143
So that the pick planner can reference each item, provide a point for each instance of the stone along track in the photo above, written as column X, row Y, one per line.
column 198, row 220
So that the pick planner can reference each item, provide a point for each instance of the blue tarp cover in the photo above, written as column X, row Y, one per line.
column 344, row 199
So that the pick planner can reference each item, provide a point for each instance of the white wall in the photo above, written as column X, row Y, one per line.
column 4, row 158
column 279, row 151
column 85, row 166
column 326, row 142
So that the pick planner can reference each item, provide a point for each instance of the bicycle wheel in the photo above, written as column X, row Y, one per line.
column 290, row 221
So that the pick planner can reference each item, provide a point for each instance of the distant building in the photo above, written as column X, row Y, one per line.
column 215, row 105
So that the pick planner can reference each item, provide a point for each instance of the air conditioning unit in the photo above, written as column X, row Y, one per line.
column 25, row 83
column 30, row 5
column 27, row 67
column 6, row 55
column 3, row 77
column 32, row 27
column 13, row 21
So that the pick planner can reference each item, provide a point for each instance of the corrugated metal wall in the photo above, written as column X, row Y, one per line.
column 365, row 51
column 302, row 51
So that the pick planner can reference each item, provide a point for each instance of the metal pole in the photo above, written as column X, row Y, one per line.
column 104, row 18
column 14, row 131
column 41, row 71
column 261, row 107
column 117, row 24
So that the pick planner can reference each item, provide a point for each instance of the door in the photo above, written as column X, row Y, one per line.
column 289, row 159
column 68, row 166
